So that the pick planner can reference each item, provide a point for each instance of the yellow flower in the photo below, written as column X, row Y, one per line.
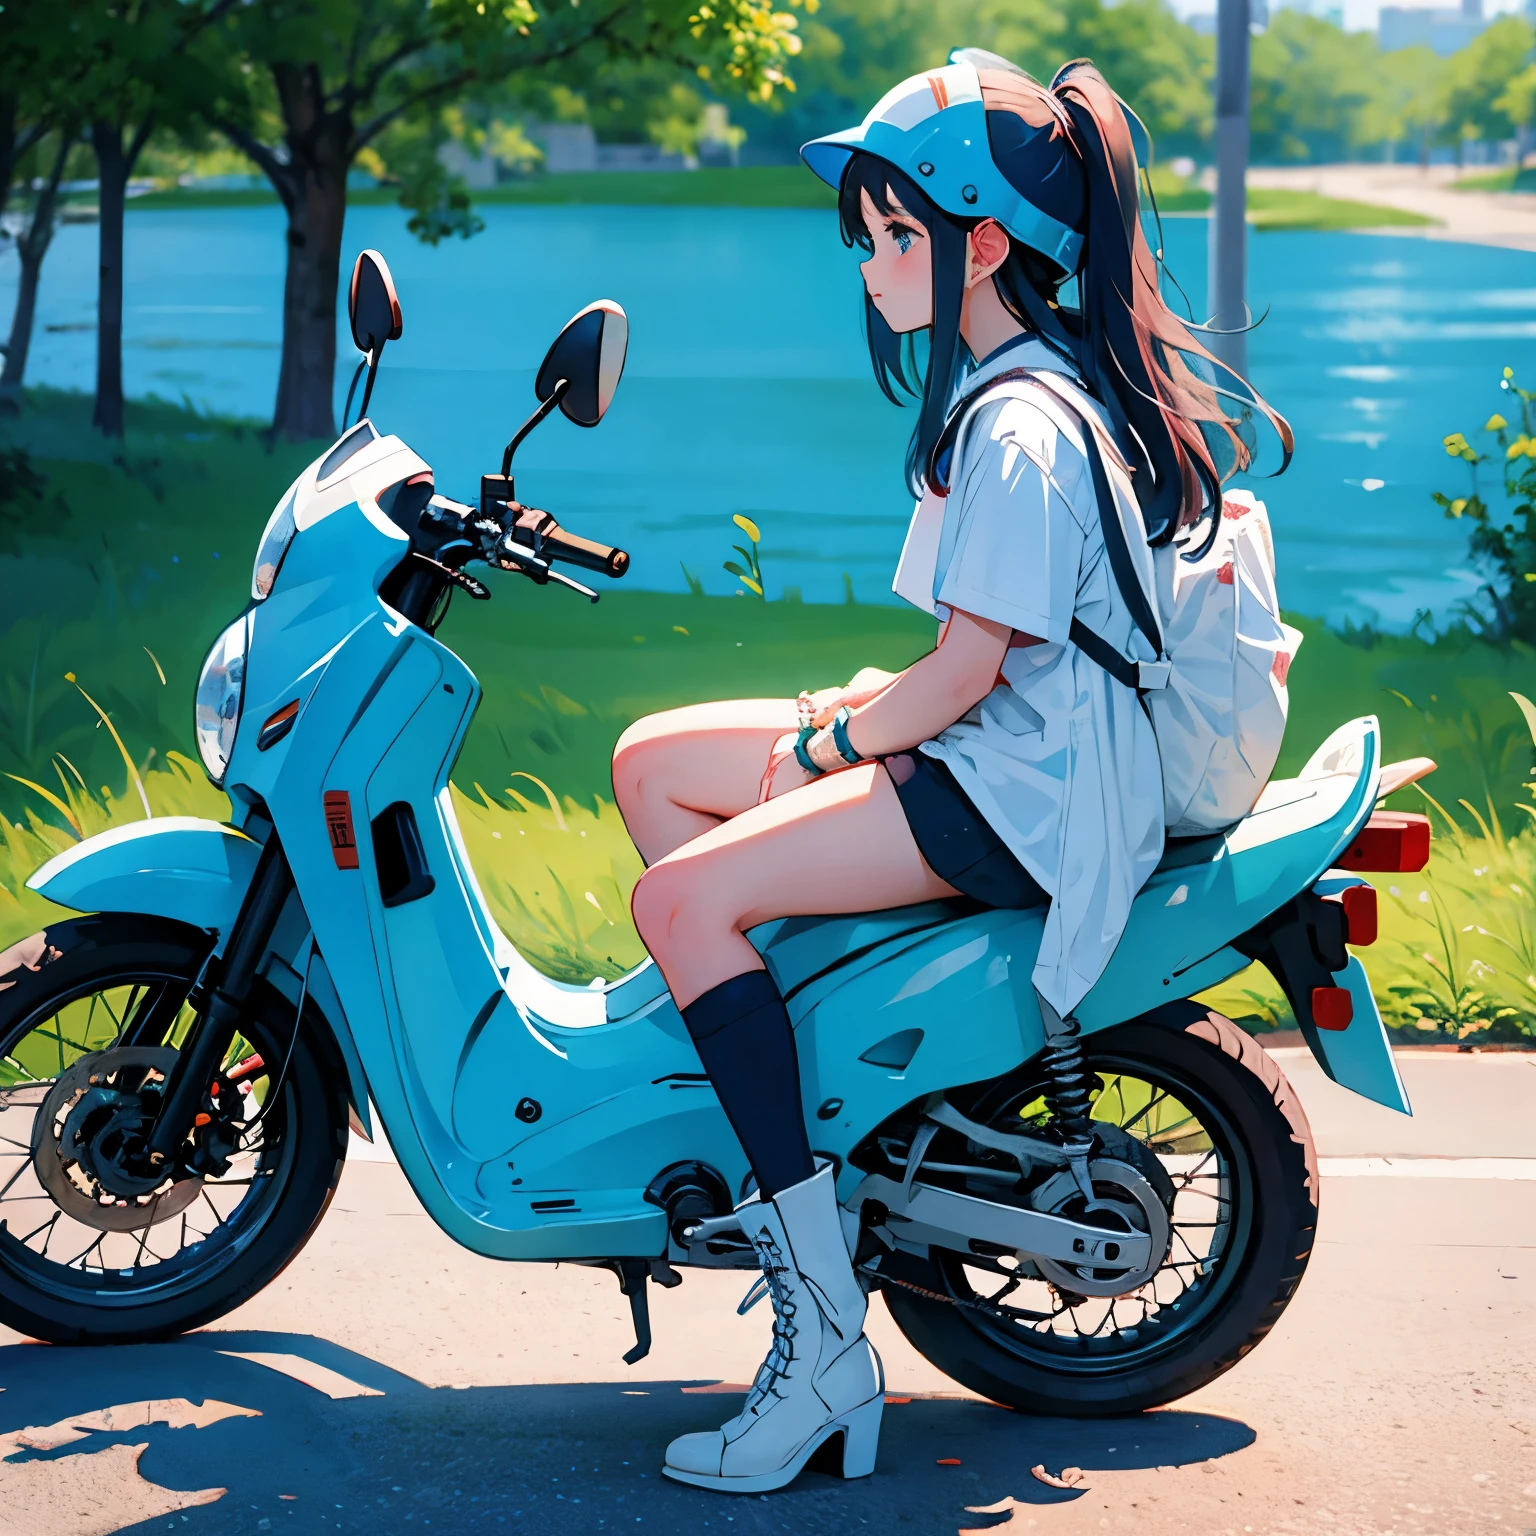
column 1495, row 423
column 1458, row 506
column 748, row 527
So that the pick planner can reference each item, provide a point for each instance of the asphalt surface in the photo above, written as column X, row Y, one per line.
column 388, row 1382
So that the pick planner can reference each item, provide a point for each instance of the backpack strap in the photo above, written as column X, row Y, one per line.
column 1139, row 675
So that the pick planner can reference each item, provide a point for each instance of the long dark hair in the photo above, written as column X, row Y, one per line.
column 1184, row 421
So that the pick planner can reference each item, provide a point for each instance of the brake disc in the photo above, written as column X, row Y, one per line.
column 83, row 1110
column 1121, row 1191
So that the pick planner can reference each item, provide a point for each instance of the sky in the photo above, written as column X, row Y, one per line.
column 1359, row 15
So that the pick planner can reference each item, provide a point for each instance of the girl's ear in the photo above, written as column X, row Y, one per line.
column 986, row 249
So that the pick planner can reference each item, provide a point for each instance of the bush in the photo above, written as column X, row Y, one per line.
column 1503, row 539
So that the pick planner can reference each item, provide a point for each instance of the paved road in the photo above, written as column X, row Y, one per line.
column 390, row 1383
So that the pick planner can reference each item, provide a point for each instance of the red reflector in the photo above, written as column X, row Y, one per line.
column 1360, row 913
column 338, row 822
column 1332, row 1007
column 1390, row 840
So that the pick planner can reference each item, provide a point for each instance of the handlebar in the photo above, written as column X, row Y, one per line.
column 518, row 538
column 575, row 550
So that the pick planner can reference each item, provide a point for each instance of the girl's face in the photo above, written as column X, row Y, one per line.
column 899, row 271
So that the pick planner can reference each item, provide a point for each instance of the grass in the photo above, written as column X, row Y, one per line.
column 762, row 186
column 792, row 186
column 1511, row 178
column 100, row 596
column 1276, row 208
column 1280, row 208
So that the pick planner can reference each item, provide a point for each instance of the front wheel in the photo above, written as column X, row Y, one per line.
column 92, row 1251
column 1205, row 1112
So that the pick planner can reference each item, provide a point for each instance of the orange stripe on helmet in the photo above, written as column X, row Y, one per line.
column 940, row 91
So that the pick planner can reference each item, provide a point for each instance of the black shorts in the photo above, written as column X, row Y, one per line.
column 955, row 838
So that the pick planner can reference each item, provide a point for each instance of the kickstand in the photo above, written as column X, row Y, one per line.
column 633, row 1274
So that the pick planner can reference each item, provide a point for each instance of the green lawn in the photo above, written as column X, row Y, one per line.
column 1511, row 178
column 1278, row 208
column 1273, row 208
column 127, row 591
column 792, row 186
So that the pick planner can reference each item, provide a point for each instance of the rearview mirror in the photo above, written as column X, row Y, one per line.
column 372, row 304
column 373, row 307
column 589, row 355
column 579, row 374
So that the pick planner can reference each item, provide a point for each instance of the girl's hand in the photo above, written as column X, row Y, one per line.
column 867, row 683
column 783, row 772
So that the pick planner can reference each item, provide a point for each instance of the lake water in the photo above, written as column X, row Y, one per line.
column 749, row 390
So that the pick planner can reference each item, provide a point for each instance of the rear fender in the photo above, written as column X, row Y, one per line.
column 1303, row 946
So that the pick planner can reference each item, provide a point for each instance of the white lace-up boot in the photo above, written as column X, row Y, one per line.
column 821, row 1378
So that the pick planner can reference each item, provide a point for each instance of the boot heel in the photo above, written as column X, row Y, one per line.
column 861, row 1438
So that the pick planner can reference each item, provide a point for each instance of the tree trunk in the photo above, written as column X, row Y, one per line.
column 317, row 210
column 7, row 144
column 31, row 246
column 112, row 170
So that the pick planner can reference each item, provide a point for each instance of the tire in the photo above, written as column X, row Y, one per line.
column 67, row 977
column 1258, row 1127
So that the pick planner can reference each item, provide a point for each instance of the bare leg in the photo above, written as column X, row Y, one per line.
column 839, row 844
column 684, row 771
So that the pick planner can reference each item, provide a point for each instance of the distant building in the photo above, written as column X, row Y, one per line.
column 1446, row 31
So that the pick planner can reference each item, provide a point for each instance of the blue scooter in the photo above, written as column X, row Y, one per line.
column 1087, row 1223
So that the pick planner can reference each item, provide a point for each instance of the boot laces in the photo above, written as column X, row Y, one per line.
column 781, row 1352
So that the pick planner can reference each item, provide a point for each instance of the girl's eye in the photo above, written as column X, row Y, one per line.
column 903, row 240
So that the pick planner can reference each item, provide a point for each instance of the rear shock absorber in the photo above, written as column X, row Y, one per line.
column 1069, row 1085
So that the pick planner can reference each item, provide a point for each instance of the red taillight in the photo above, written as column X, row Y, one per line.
column 1390, row 841
column 1359, row 903
column 1332, row 1007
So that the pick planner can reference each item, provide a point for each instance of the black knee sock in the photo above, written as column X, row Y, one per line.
column 744, row 1038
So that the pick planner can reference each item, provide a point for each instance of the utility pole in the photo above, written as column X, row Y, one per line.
column 1228, row 261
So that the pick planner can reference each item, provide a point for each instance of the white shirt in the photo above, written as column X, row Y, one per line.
column 1060, row 758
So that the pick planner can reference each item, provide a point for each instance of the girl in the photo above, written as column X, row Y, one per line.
column 1006, row 765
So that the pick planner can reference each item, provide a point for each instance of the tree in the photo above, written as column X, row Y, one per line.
column 1317, row 90
column 1410, row 80
column 326, row 79
column 29, row 110
column 32, row 242
column 126, row 68
column 1477, row 88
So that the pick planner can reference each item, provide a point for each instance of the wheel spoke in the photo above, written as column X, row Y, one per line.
column 1146, row 1109
column 49, row 1225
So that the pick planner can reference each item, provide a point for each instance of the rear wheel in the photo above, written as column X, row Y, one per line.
column 92, row 1251
column 1206, row 1117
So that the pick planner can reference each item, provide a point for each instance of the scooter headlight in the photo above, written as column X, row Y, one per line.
column 220, row 693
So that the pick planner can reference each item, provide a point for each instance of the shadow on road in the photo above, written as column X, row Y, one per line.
column 303, row 1436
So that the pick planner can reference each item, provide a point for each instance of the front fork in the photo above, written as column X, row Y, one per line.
column 215, row 1027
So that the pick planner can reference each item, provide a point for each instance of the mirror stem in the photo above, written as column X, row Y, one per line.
column 556, row 395
column 373, row 373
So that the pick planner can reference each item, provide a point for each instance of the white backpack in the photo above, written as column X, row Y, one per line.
column 1217, row 696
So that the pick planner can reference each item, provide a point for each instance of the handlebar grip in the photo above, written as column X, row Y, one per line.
column 575, row 550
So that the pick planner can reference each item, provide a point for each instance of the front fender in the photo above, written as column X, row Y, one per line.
column 179, row 867
column 196, row 872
